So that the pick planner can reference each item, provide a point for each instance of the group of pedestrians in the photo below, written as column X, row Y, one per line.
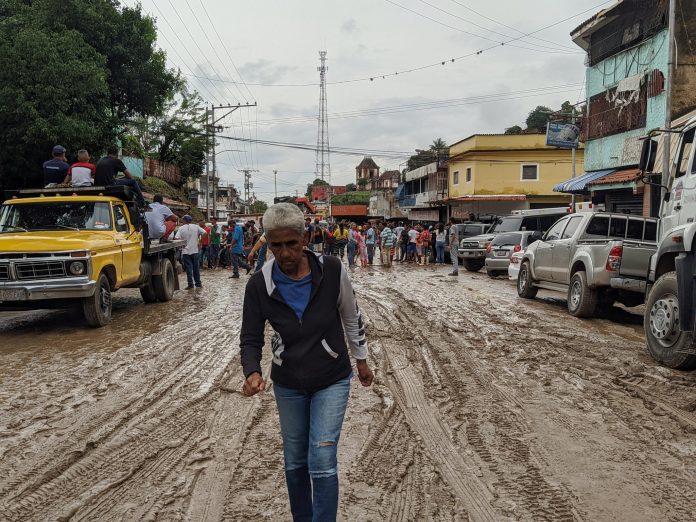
column 357, row 242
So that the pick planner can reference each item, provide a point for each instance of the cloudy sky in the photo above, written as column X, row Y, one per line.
column 272, row 46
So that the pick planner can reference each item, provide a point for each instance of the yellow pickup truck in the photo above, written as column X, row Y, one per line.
column 66, row 246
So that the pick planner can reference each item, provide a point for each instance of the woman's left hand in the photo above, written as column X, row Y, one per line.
column 364, row 373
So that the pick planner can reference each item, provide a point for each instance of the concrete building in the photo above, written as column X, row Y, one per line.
column 627, row 74
column 423, row 193
column 366, row 173
column 498, row 173
column 383, row 203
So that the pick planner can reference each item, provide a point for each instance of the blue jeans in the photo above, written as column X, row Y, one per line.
column 204, row 252
column 193, row 269
column 352, row 247
column 440, row 250
column 237, row 260
column 310, row 423
column 261, row 259
column 214, row 254
column 370, row 252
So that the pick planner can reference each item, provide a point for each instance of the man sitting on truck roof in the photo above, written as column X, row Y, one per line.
column 81, row 174
column 161, row 221
column 54, row 170
column 109, row 166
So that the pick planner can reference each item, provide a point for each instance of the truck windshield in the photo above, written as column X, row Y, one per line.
column 508, row 224
column 79, row 215
column 507, row 239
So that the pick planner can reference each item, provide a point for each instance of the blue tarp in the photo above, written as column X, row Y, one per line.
column 400, row 191
column 578, row 184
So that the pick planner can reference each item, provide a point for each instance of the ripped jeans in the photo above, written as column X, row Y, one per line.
column 310, row 422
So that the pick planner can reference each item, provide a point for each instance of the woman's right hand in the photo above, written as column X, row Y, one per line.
column 253, row 384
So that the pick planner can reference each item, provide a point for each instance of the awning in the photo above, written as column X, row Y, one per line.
column 400, row 190
column 578, row 184
column 621, row 179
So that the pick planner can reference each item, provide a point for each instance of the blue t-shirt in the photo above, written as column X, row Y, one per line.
column 54, row 171
column 370, row 236
column 238, row 237
column 295, row 292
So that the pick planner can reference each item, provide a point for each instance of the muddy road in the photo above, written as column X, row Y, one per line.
column 485, row 407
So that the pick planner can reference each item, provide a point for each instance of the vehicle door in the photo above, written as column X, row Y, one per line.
column 129, row 242
column 563, row 249
column 543, row 255
column 681, row 207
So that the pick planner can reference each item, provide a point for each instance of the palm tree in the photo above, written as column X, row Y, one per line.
column 439, row 148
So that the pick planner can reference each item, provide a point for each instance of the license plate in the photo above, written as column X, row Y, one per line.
column 12, row 294
column 501, row 253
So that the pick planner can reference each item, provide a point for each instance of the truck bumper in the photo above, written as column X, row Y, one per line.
column 685, row 264
column 471, row 254
column 630, row 285
column 67, row 288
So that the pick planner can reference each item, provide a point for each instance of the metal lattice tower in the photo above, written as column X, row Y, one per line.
column 323, row 164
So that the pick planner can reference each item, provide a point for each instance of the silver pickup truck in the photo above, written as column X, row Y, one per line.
column 597, row 258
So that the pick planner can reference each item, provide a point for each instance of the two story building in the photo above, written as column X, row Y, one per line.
column 627, row 78
column 494, row 174
column 422, row 195
column 383, row 203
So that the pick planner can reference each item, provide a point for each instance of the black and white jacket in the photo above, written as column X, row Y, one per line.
column 310, row 354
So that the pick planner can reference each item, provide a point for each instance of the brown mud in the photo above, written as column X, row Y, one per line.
column 484, row 407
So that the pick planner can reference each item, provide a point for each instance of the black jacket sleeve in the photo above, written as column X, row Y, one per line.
column 251, row 338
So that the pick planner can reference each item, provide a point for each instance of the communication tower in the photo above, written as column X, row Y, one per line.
column 323, row 164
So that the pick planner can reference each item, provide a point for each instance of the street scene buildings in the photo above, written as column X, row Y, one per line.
column 441, row 269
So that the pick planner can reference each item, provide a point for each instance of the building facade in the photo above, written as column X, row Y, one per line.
column 494, row 174
column 366, row 174
column 383, row 202
column 422, row 195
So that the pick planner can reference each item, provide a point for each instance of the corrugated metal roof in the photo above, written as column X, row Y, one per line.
column 620, row 176
column 579, row 183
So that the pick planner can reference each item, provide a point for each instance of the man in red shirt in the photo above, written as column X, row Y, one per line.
column 205, row 245
column 81, row 174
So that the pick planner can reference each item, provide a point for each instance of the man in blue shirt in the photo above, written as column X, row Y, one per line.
column 370, row 242
column 237, row 251
column 55, row 170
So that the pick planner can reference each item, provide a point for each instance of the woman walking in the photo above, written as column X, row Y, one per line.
column 309, row 301
column 352, row 244
column 341, row 237
column 362, row 249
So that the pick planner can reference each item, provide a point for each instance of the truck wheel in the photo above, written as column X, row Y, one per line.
column 148, row 292
column 525, row 287
column 582, row 300
column 164, row 283
column 473, row 265
column 666, row 343
column 97, row 308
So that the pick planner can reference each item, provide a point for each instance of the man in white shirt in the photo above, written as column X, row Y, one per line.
column 161, row 221
column 191, row 233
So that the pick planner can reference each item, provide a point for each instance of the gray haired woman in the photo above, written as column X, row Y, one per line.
column 309, row 301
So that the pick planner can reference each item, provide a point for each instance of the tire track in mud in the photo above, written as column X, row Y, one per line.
column 514, row 471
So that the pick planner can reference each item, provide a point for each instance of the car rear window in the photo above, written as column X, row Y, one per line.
column 650, row 231
column 598, row 226
column 508, row 224
column 617, row 227
column 507, row 239
column 635, row 229
column 473, row 230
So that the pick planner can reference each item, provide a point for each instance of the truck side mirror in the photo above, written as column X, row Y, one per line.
column 647, row 155
column 667, row 197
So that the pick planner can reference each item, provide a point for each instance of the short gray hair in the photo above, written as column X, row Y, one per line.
column 284, row 215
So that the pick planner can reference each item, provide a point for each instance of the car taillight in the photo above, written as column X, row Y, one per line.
column 614, row 259
column 488, row 248
column 517, row 248
column 515, row 260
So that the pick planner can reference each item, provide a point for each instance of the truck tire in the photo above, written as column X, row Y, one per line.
column 525, row 285
column 148, row 293
column 665, row 342
column 97, row 308
column 582, row 300
column 164, row 283
column 473, row 265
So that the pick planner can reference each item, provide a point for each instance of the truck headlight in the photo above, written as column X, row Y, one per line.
column 77, row 268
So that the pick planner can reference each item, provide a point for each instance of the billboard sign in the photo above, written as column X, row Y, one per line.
column 563, row 135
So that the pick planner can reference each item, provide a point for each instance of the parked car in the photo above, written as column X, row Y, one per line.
column 501, row 248
column 472, row 250
column 594, row 258
column 469, row 230
column 514, row 266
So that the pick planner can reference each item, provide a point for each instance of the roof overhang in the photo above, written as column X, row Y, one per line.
column 580, row 35
column 488, row 197
column 579, row 184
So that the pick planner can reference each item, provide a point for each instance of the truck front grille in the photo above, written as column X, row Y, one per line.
column 4, row 272
column 40, row 270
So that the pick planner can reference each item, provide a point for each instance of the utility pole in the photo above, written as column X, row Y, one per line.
column 248, row 185
column 667, row 137
column 275, row 183
column 574, row 152
column 323, row 163
column 207, row 166
column 211, row 128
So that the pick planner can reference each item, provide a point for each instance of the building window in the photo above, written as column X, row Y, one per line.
column 530, row 172
column 455, row 177
column 468, row 174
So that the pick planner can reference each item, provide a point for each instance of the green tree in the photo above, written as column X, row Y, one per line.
column 439, row 149
column 258, row 207
column 315, row 183
column 70, row 72
column 361, row 183
column 538, row 118
column 515, row 129
column 351, row 187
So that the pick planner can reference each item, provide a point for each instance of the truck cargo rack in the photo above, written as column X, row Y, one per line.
column 121, row 192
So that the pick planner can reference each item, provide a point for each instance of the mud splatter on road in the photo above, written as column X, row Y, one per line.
column 485, row 407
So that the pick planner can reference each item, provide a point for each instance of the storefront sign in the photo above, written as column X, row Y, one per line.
column 563, row 135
